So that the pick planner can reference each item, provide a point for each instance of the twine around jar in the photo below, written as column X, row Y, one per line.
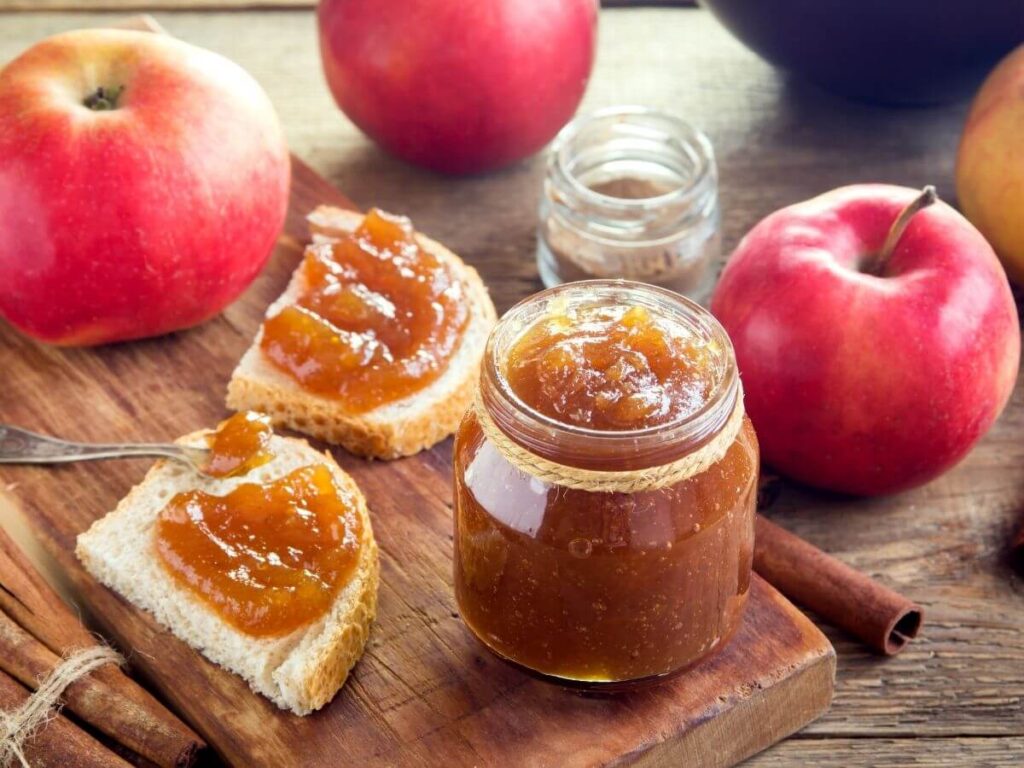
column 600, row 481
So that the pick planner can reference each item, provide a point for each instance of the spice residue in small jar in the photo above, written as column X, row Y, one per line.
column 631, row 188
column 631, row 193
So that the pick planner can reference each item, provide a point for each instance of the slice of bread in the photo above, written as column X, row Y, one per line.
column 400, row 428
column 300, row 671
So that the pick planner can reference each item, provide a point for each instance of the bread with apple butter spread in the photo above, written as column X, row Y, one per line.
column 395, row 428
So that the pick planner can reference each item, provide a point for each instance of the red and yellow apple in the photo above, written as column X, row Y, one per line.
column 990, row 163
column 869, row 366
column 458, row 86
column 143, row 183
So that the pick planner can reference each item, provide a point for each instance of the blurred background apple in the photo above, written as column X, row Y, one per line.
column 990, row 164
column 458, row 86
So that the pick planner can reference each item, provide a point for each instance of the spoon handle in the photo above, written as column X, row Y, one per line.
column 19, row 446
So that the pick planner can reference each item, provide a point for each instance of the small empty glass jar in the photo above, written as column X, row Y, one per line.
column 631, row 192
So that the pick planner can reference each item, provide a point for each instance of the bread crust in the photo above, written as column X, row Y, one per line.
column 401, row 428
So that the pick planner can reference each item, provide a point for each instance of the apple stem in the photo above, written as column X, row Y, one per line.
column 103, row 99
column 919, row 203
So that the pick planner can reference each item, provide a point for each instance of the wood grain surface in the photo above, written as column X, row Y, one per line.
column 956, row 695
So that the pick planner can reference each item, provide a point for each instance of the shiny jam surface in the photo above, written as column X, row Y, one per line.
column 240, row 443
column 379, row 319
column 267, row 558
column 610, row 368
column 592, row 586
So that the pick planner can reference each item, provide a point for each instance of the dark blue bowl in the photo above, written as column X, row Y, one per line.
column 888, row 51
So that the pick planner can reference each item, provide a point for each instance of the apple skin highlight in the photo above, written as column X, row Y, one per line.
column 868, row 383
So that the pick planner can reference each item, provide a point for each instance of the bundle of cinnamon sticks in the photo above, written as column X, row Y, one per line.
column 37, row 629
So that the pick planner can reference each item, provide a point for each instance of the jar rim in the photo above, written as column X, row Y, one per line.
column 673, row 127
column 537, row 432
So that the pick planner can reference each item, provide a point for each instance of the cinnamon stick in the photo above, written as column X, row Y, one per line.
column 37, row 627
column 882, row 618
column 59, row 743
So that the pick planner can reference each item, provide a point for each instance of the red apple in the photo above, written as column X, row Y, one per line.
column 143, row 182
column 869, row 366
column 454, row 85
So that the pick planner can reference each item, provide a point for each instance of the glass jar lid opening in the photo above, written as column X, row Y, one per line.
column 588, row 447
column 630, row 158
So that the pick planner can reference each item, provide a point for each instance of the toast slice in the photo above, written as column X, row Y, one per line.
column 399, row 428
column 300, row 671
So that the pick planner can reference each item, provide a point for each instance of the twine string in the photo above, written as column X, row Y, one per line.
column 19, row 724
column 626, row 481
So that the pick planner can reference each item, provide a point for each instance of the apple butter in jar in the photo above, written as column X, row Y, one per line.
column 605, row 486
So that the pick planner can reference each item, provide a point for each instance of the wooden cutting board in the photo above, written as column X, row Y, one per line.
column 425, row 691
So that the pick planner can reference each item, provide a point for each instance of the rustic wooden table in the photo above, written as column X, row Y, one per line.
column 956, row 696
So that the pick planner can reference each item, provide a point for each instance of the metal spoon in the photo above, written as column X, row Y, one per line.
column 19, row 446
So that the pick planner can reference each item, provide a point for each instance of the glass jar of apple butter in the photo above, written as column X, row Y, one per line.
column 605, row 486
